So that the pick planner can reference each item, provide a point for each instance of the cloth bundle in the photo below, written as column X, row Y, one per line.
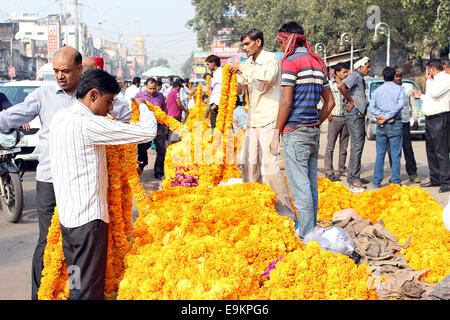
column 379, row 249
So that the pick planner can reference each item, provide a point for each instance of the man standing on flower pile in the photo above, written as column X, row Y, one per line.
column 304, row 82
column 260, row 74
column 78, row 138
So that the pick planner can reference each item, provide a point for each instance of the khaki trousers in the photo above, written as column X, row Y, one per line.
column 261, row 165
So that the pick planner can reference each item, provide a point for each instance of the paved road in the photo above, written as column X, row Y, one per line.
column 17, row 241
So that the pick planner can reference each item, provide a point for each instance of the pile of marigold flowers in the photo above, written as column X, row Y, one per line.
column 227, row 242
column 407, row 212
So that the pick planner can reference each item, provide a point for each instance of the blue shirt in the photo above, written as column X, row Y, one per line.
column 387, row 101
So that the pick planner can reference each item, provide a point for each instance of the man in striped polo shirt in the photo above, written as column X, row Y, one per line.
column 303, row 82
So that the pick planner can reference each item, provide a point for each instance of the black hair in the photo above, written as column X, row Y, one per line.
column 152, row 80
column 78, row 58
column 254, row 34
column 97, row 79
column 435, row 63
column 293, row 27
column 176, row 83
column 341, row 65
column 213, row 58
column 388, row 74
column 204, row 96
column 136, row 80
column 159, row 82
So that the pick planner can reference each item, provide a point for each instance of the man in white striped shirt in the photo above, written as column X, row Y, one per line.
column 78, row 138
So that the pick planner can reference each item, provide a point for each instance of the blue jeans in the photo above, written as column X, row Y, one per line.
column 388, row 134
column 300, row 151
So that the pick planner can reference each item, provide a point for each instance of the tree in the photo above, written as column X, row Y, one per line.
column 428, row 23
column 186, row 69
column 410, row 21
column 159, row 62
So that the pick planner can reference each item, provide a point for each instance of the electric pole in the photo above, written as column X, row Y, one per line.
column 77, row 26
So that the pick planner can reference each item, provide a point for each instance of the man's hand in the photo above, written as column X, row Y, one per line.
column 274, row 146
column 330, row 118
column 416, row 94
column 26, row 127
column 234, row 67
column 350, row 106
column 381, row 120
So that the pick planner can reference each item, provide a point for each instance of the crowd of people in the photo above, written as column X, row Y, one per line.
column 288, row 102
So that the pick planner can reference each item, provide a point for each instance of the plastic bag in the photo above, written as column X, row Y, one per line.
column 446, row 215
column 333, row 239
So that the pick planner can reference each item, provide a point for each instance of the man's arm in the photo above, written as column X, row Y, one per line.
column 22, row 113
column 328, row 104
column 266, row 72
column 435, row 89
column 287, row 97
column 344, row 90
column 102, row 131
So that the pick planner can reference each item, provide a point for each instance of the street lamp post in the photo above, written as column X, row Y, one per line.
column 321, row 47
column 347, row 38
column 381, row 28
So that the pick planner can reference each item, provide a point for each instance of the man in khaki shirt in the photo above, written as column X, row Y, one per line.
column 261, row 76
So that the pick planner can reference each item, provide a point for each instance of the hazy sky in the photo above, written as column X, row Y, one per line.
column 164, row 21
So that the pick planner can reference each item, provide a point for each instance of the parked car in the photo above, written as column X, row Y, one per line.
column 371, row 126
column 16, row 92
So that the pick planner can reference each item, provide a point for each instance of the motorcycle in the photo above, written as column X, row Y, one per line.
column 11, row 197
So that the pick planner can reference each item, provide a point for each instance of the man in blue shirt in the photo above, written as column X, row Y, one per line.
column 386, row 105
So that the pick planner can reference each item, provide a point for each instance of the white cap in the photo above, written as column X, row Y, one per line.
column 361, row 62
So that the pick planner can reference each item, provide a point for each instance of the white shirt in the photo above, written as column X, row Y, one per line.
column 78, row 140
column 437, row 97
column 121, row 109
column 131, row 92
column 263, row 78
column 216, row 86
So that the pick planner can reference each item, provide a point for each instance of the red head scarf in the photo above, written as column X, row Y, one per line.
column 291, row 44
column 99, row 61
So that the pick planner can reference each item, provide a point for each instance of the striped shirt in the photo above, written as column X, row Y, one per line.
column 305, row 74
column 77, row 142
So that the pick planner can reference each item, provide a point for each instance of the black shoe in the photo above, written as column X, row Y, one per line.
column 444, row 189
column 429, row 184
column 333, row 177
column 158, row 176
column 363, row 181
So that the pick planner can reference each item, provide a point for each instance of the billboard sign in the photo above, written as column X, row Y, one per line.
column 53, row 40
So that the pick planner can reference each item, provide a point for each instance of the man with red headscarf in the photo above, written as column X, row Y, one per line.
column 303, row 81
